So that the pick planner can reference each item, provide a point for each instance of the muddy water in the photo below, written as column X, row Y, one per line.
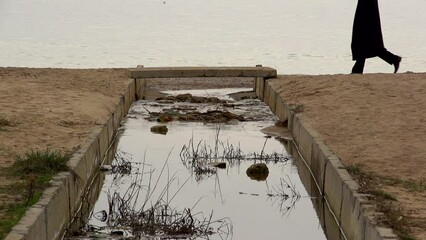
column 249, row 207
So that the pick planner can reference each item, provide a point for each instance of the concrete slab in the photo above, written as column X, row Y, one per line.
column 78, row 181
column 176, row 72
column 64, row 181
column 92, row 156
column 320, row 208
column 110, row 127
column 280, row 110
column 331, row 228
column 103, row 141
column 290, row 115
column 303, row 170
column 272, row 99
column 334, row 186
column 295, row 128
column 129, row 96
column 319, row 161
column 307, row 135
column 261, row 88
column 373, row 232
column 32, row 224
column 266, row 93
column 118, row 114
column 138, row 88
column 15, row 236
column 386, row 233
column 56, row 210
column 352, row 221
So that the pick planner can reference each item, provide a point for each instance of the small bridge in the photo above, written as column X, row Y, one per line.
column 188, row 72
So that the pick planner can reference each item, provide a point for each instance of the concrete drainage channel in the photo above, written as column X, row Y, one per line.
column 62, row 202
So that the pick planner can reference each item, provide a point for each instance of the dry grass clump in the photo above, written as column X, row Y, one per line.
column 198, row 157
column 372, row 185
column 285, row 195
column 4, row 122
column 145, row 210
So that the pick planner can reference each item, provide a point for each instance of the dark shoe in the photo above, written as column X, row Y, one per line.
column 396, row 64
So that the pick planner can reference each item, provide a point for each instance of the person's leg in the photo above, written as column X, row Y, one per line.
column 391, row 58
column 358, row 67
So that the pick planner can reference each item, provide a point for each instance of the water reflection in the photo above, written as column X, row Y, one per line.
column 305, row 37
column 326, row 217
column 274, row 208
column 79, row 220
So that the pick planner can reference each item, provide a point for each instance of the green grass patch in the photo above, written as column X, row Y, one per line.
column 35, row 168
column 41, row 165
column 13, row 213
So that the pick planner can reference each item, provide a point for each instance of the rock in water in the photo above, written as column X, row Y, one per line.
column 159, row 129
column 258, row 171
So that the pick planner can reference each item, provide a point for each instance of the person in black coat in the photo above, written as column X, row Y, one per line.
column 367, row 39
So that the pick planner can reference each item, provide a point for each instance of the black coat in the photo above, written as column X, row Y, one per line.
column 367, row 39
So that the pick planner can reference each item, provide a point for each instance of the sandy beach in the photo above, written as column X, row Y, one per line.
column 376, row 122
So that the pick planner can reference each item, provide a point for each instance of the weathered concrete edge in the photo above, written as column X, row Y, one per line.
column 184, row 72
column 340, row 190
column 51, row 215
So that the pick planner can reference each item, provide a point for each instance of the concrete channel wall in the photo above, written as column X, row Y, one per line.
column 60, row 203
column 52, row 214
column 350, row 208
